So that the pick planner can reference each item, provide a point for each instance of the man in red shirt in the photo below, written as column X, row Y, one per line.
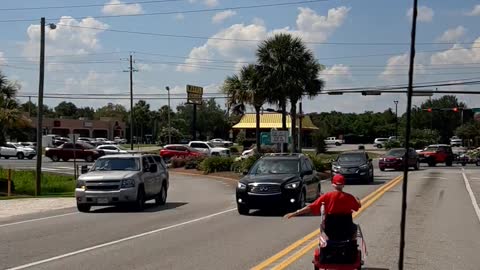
column 336, row 202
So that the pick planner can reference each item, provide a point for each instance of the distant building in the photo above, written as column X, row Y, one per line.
column 269, row 121
column 106, row 127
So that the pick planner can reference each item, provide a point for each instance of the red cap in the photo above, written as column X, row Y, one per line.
column 338, row 179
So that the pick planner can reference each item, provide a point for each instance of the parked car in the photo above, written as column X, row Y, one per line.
column 17, row 150
column 32, row 145
column 69, row 151
column 119, row 140
column 123, row 179
column 112, row 149
column 393, row 159
column 178, row 150
column 354, row 166
column 209, row 149
column 333, row 140
column 57, row 141
column 437, row 153
column 221, row 143
column 102, row 141
column 380, row 142
column 278, row 180
column 455, row 141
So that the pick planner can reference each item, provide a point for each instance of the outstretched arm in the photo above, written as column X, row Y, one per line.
column 299, row 212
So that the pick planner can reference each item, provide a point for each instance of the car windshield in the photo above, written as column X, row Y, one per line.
column 17, row 145
column 396, row 152
column 351, row 158
column 117, row 164
column 431, row 149
column 276, row 166
column 211, row 145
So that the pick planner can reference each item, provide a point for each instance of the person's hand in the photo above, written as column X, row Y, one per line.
column 289, row 215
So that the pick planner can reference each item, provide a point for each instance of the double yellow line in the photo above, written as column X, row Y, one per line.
column 311, row 237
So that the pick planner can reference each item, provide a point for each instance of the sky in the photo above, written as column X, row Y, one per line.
column 200, row 42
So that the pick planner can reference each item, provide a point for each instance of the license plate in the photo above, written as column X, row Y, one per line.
column 102, row 200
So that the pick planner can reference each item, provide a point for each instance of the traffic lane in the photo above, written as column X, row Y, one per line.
column 47, row 165
column 473, row 176
column 227, row 241
column 188, row 198
column 442, row 231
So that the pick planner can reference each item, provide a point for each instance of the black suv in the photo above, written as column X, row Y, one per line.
column 354, row 166
column 279, row 181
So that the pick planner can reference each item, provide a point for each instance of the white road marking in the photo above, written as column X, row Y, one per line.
column 36, row 219
column 433, row 177
column 118, row 241
column 472, row 196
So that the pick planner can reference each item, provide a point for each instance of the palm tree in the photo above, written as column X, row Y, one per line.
column 288, row 71
column 232, row 87
column 11, row 116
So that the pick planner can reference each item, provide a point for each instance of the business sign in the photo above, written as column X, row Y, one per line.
column 279, row 136
column 476, row 114
column 194, row 94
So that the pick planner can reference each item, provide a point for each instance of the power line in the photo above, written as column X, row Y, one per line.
column 180, row 11
column 90, row 5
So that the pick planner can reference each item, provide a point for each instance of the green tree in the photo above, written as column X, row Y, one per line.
column 142, row 116
column 237, row 97
column 86, row 112
column 67, row 109
column 288, row 71
column 112, row 110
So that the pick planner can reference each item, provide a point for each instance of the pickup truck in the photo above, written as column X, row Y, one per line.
column 209, row 149
column 221, row 143
column 16, row 150
column 334, row 140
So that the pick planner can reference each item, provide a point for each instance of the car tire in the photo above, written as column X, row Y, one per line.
column 417, row 166
column 89, row 159
column 372, row 178
column 337, row 144
column 65, row 159
column 449, row 163
column 382, row 169
column 84, row 208
column 464, row 164
column 243, row 209
column 140, row 201
column 478, row 163
column 30, row 157
column 301, row 201
column 20, row 155
column 161, row 197
column 55, row 158
column 431, row 163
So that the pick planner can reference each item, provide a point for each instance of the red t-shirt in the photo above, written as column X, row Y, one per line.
column 336, row 202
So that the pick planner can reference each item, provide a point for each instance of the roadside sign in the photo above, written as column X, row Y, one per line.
column 279, row 136
column 194, row 94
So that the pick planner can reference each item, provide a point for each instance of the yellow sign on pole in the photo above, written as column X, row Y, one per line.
column 194, row 94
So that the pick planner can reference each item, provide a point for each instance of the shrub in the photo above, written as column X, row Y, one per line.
column 392, row 144
column 234, row 150
column 193, row 162
column 216, row 164
column 241, row 137
column 244, row 164
column 178, row 162
column 318, row 138
column 320, row 165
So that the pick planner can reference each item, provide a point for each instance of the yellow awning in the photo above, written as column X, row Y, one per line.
column 271, row 120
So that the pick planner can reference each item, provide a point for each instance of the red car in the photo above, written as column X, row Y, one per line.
column 393, row 159
column 69, row 151
column 437, row 153
column 178, row 150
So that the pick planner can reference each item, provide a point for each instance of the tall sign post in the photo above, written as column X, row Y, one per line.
column 194, row 97
column 279, row 137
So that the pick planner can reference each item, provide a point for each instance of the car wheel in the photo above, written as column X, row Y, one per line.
column 417, row 166
column 464, row 164
column 161, row 197
column 243, row 209
column 382, row 169
column 140, row 202
column 371, row 179
column 84, row 208
column 55, row 158
column 478, row 163
column 89, row 159
column 65, row 159
column 449, row 163
column 431, row 163
column 301, row 201
column 20, row 155
column 30, row 157
column 337, row 144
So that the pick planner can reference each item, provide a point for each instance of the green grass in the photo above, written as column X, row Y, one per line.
column 52, row 184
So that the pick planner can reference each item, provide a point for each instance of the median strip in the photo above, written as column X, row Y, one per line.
column 366, row 202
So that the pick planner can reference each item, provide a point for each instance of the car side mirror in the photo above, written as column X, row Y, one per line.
column 245, row 172
column 84, row 169
column 153, row 168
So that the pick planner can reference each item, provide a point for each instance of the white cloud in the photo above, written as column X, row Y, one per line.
column 116, row 7
column 211, row 3
column 425, row 14
column 458, row 54
column 475, row 11
column 453, row 34
column 310, row 27
column 67, row 38
column 223, row 15
column 3, row 60
column 179, row 17
column 398, row 65
column 335, row 75
column 144, row 67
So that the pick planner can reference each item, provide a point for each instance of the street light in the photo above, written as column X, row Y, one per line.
column 38, row 176
column 396, row 118
column 169, row 125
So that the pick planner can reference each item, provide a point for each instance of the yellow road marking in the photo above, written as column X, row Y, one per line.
column 366, row 201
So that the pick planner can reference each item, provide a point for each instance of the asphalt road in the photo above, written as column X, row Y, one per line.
column 47, row 165
column 442, row 232
column 199, row 228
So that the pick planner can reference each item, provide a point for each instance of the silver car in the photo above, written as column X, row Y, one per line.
column 123, row 179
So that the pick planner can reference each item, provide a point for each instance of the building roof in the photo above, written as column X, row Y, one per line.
column 271, row 120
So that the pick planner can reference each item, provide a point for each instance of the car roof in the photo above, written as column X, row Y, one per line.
column 168, row 145
column 437, row 145
column 135, row 155
column 283, row 156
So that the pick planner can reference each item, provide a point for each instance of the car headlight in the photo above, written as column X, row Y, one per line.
column 363, row 167
column 80, row 184
column 292, row 185
column 241, row 185
column 336, row 168
column 127, row 183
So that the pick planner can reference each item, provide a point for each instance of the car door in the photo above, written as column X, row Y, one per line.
column 10, row 150
column 412, row 157
column 148, row 178
column 307, row 176
column 66, row 151
column 157, row 176
column 182, row 151
column 442, row 154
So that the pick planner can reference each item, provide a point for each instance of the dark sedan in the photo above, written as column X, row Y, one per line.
column 393, row 159
column 69, row 151
column 278, row 181
column 355, row 166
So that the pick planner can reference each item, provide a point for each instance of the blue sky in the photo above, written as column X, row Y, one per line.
column 88, row 61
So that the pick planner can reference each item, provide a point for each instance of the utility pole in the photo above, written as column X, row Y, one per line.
column 300, row 126
column 169, row 124
column 396, row 118
column 38, row 175
column 194, row 123
column 29, row 106
column 132, row 126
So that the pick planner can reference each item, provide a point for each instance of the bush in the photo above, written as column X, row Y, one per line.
column 320, row 165
column 318, row 138
column 241, row 137
column 234, row 150
column 216, row 164
column 392, row 144
column 240, row 166
column 177, row 162
column 193, row 162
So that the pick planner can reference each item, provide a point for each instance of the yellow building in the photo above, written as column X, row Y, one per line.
column 269, row 121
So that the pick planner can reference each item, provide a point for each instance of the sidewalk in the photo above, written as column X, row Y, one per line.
column 16, row 207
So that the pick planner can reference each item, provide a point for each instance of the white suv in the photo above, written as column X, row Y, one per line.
column 17, row 150
column 123, row 179
column 209, row 149
column 380, row 142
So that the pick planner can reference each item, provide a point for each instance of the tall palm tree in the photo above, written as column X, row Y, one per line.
column 237, row 97
column 288, row 71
